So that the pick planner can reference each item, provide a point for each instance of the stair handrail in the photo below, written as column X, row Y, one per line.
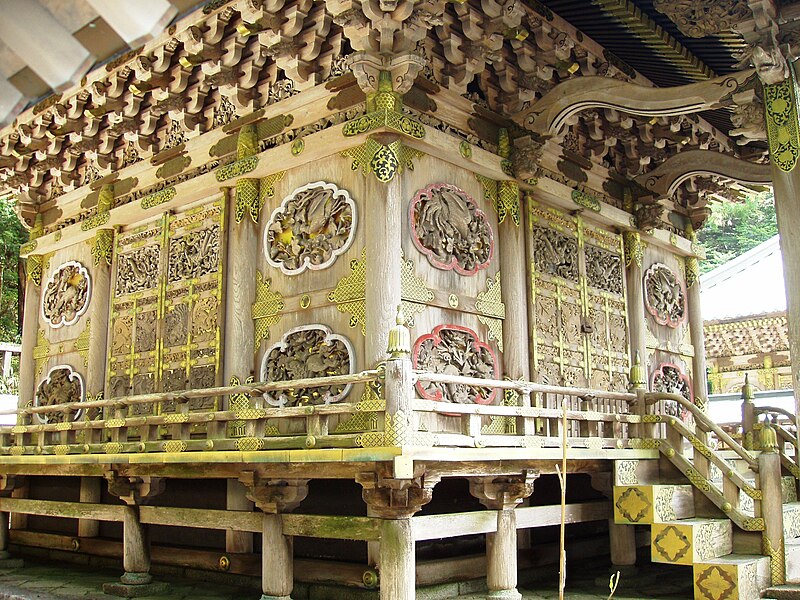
column 777, row 410
column 705, row 424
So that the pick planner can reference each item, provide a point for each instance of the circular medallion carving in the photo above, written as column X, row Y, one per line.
column 449, row 228
column 311, row 227
column 455, row 350
column 304, row 352
column 664, row 295
column 66, row 294
column 62, row 385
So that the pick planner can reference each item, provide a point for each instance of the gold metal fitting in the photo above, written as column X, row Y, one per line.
column 224, row 563
column 638, row 376
column 399, row 337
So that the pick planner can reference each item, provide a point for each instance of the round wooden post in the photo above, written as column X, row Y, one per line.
column 27, row 365
column 769, row 478
column 136, row 549
column 501, row 557
column 4, row 524
column 634, row 257
column 238, row 360
column 397, row 560
column 748, row 415
column 277, row 561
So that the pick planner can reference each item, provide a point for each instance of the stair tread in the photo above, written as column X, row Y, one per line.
column 734, row 559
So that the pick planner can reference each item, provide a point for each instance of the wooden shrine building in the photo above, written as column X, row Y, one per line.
column 318, row 290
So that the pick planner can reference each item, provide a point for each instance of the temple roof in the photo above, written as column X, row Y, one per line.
column 750, row 284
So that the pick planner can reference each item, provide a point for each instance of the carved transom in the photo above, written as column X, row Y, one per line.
column 555, row 253
column 664, row 295
column 305, row 352
column 700, row 18
column 66, row 296
column 194, row 254
column 312, row 226
column 61, row 385
column 449, row 228
column 604, row 270
column 138, row 270
column 455, row 350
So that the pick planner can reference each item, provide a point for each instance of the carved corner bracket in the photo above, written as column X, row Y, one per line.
column 391, row 498
column 134, row 491
column 274, row 495
column 502, row 493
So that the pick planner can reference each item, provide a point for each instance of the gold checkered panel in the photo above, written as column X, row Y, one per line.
column 689, row 541
column 731, row 578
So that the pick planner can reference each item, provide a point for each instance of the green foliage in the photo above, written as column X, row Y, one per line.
column 735, row 227
column 12, row 234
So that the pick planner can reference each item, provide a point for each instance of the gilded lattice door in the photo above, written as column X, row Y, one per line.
column 136, row 312
column 193, row 304
column 579, row 322
column 167, row 307
column 606, row 309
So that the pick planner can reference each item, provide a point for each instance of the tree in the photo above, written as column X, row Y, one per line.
column 12, row 234
column 735, row 227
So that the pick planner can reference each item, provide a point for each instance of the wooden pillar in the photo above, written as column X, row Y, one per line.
column 696, row 332
column 622, row 541
column 634, row 257
column 4, row 527
column 397, row 560
column 277, row 561
column 769, row 479
column 501, row 557
column 273, row 498
column 239, row 356
column 91, row 491
column 136, row 580
column 502, row 495
column 30, row 329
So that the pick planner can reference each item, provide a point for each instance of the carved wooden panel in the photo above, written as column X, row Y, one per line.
column 311, row 227
column 66, row 294
column 167, row 307
column 448, row 227
column 304, row 352
column 665, row 295
column 455, row 350
column 669, row 378
column 61, row 385
column 579, row 317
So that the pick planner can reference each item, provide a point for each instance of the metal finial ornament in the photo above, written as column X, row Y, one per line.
column 399, row 337
column 637, row 377
column 747, row 389
column 769, row 437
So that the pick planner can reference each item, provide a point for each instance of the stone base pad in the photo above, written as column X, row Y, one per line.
column 11, row 563
column 125, row 590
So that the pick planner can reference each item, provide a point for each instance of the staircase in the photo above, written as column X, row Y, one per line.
column 706, row 508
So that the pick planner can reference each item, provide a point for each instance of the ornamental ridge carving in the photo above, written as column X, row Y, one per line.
column 306, row 352
column 311, row 227
column 62, row 385
column 455, row 350
column 449, row 228
column 700, row 18
column 604, row 270
column 194, row 254
column 555, row 253
column 138, row 270
column 664, row 295
column 66, row 295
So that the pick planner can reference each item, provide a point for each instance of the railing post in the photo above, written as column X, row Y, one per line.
column 748, row 415
column 769, row 478
column 398, row 388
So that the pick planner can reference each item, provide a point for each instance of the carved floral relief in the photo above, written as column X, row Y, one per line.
column 670, row 379
column 66, row 295
column 555, row 253
column 305, row 352
column 664, row 295
column 448, row 227
column 194, row 254
column 311, row 227
column 604, row 269
column 455, row 350
column 138, row 270
column 62, row 385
